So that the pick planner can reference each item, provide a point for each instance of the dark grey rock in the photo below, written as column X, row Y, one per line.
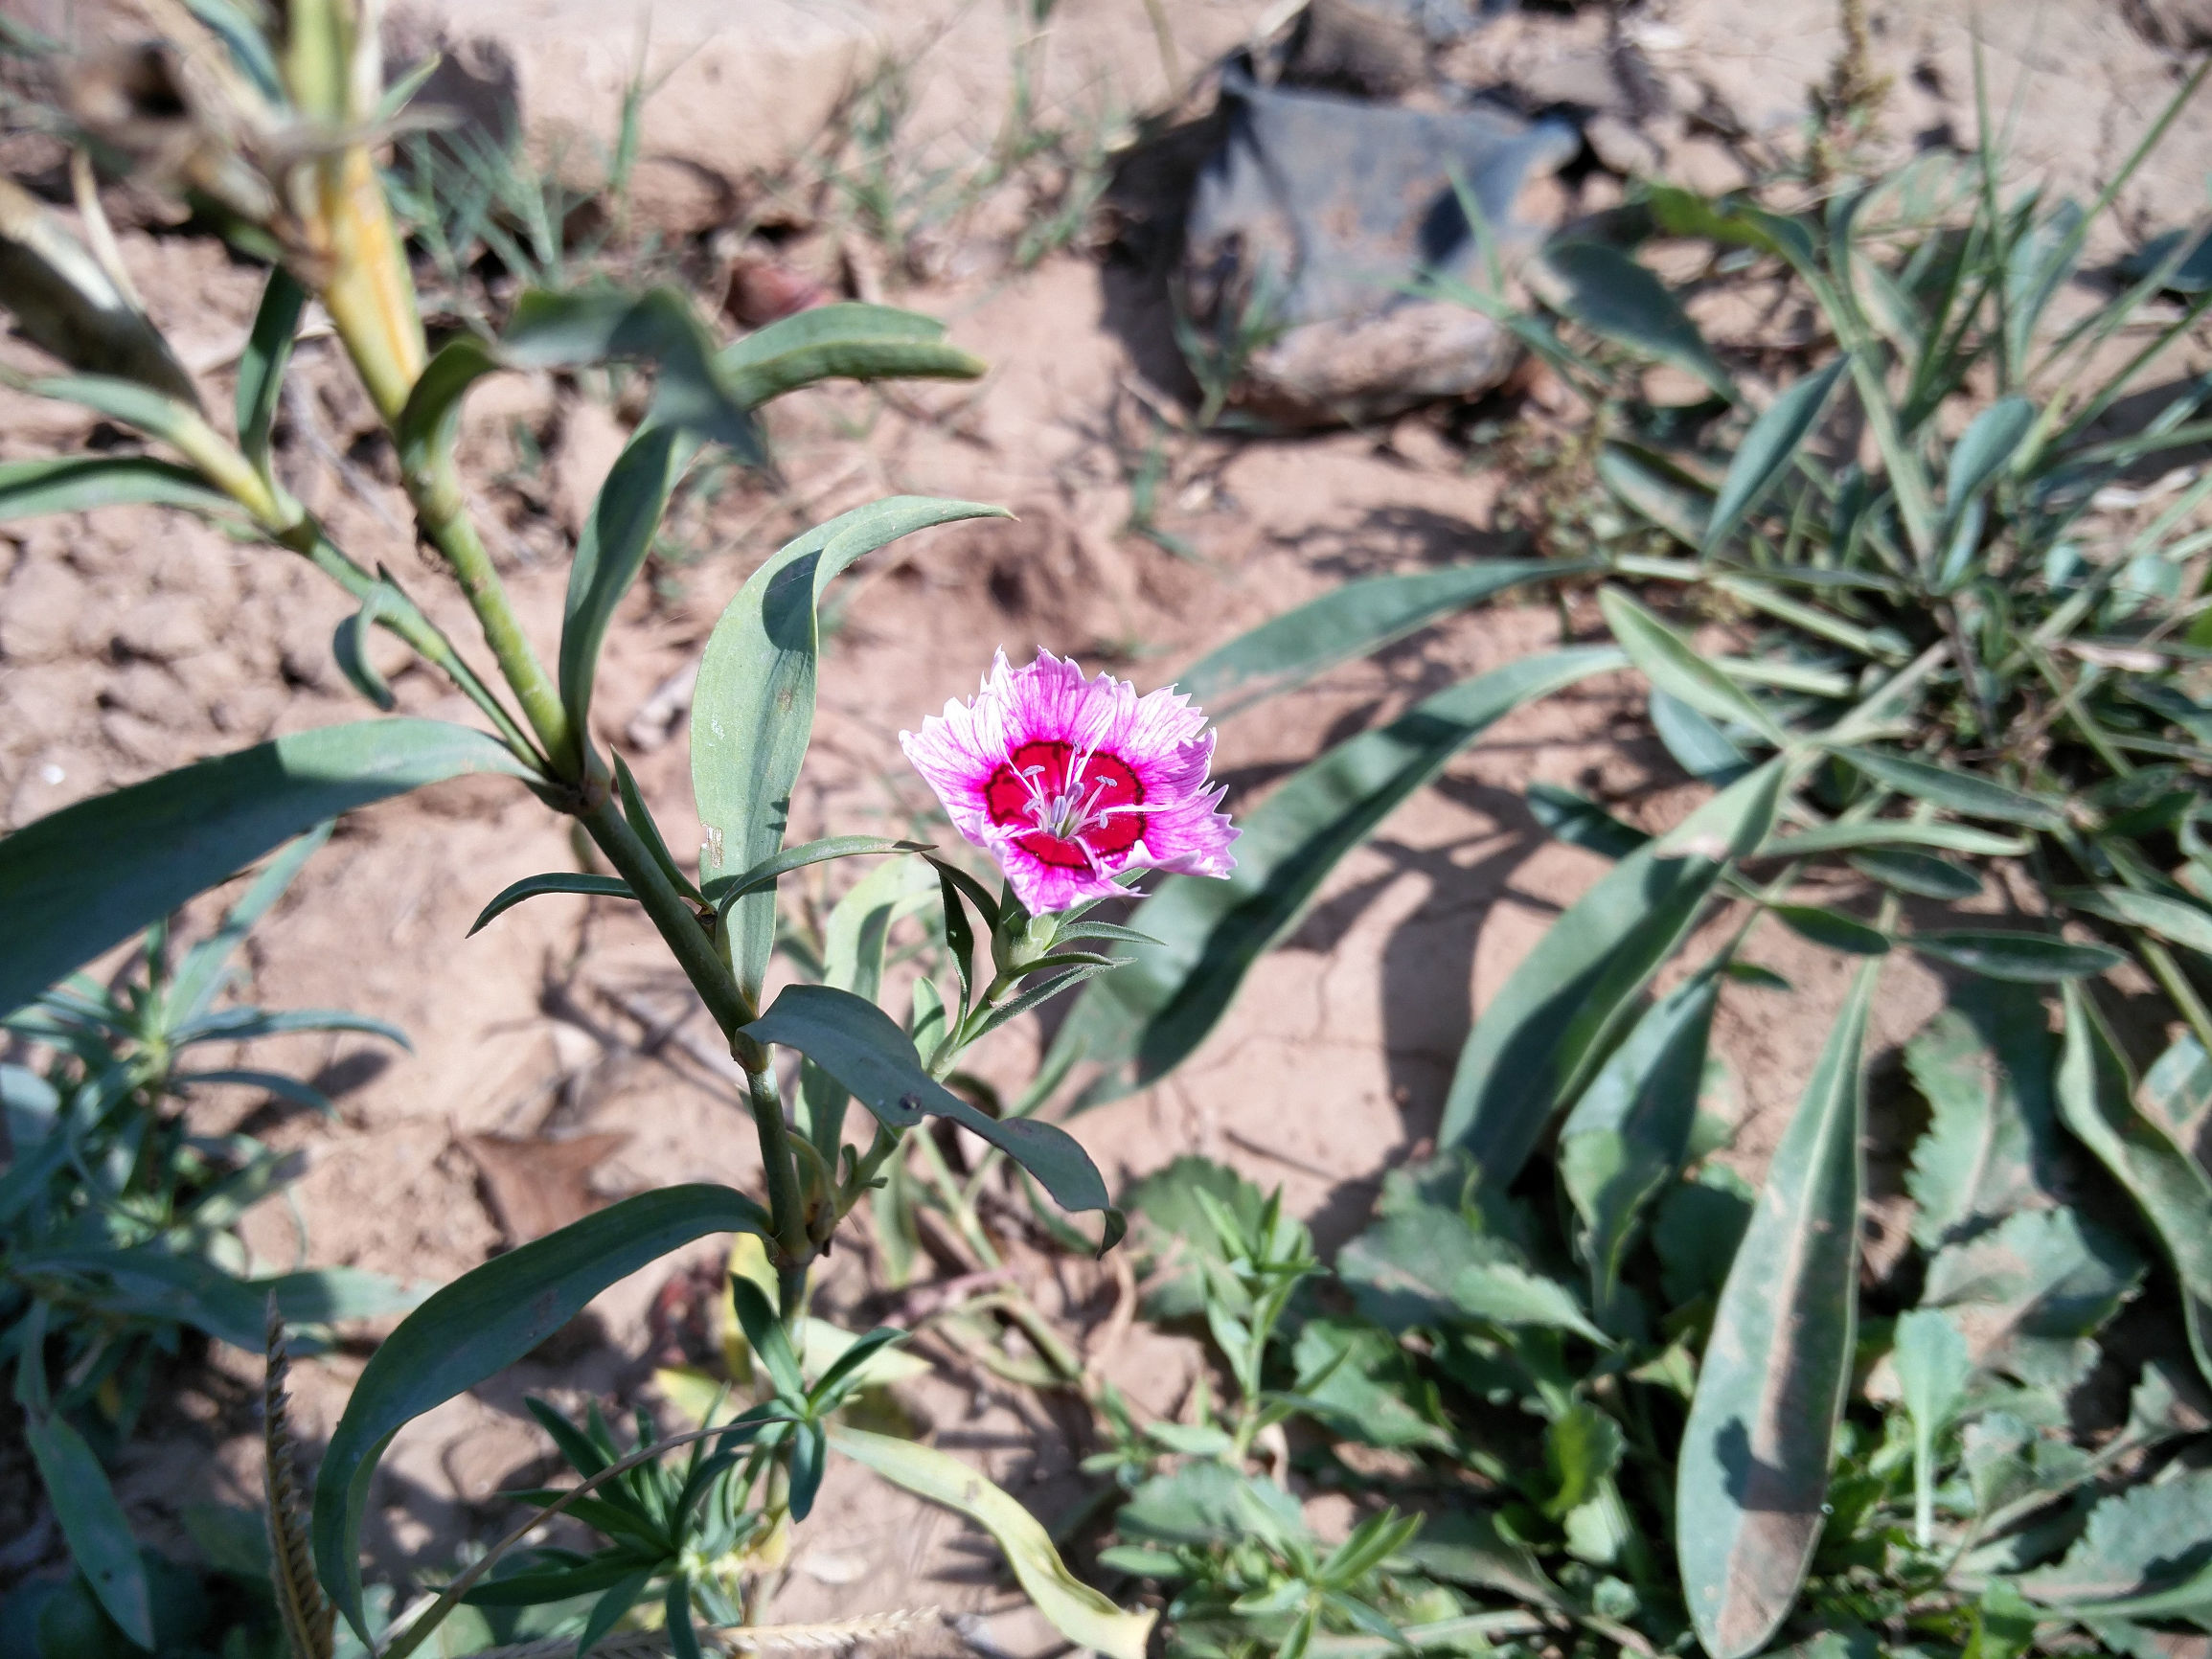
column 1315, row 220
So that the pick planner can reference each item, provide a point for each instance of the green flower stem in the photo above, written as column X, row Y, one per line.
column 678, row 923
column 443, row 516
column 786, row 1211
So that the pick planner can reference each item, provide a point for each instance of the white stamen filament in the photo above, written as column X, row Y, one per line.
column 1066, row 815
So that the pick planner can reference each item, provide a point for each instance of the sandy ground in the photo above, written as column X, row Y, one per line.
column 133, row 639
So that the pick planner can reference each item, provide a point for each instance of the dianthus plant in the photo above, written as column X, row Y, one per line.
column 1073, row 786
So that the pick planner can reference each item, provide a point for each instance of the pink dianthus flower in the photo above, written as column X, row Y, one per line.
column 1068, row 782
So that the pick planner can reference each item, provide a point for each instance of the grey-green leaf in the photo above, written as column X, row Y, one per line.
column 1668, row 661
column 93, row 1523
column 753, row 710
column 1609, row 293
column 478, row 1325
column 612, row 550
column 262, row 366
column 1933, row 1370
column 2024, row 958
column 1156, row 1010
column 1347, row 621
column 2141, row 1555
column 1983, row 448
column 841, row 342
column 1767, row 450
column 2176, row 920
column 1831, row 928
column 1753, row 1477
column 1629, row 1132
column 554, row 882
column 1984, row 1065
column 2031, row 1291
column 75, row 483
column 1956, row 791
column 603, row 323
column 1668, row 497
column 859, row 1045
column 81, row 879
column 1531, row 1045
column 67, row 305
column 2168, row 1185
column 1919, row 873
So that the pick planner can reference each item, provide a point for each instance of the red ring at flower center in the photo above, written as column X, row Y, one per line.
column 1031, row 789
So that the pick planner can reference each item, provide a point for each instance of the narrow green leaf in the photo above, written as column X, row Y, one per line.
column 262, row 366
column 726, row 890
column 1580, row 822
column 612, row 550
column 1919, row 874
column 1629, row 1132
column 202, row 970
column 350, row 645
column 753, row 711
column 1670, row 662
column 1752, row 1480
column 1610, row 294
column 66, row 303
column 554, row 882
column 1831, row 928
column 478, row 1325
column 1983, row 449
column 1153, row 1014
column 2176, row 920
column 603, row 323
column 75, row 483
column 2168, row 1185
column 92, row 1523
column 2026, row 958
column 1665, row 494
column 1767, row 450
column 1850, row 837
column 79, row 880
column 426, row 425
column 1073, row 1608
column 639, row 817
column 1956, row 791
column 1697, row 743
column 1352, row 620
column 859, row 1045
column 1558, row 1013
column 841, row 343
